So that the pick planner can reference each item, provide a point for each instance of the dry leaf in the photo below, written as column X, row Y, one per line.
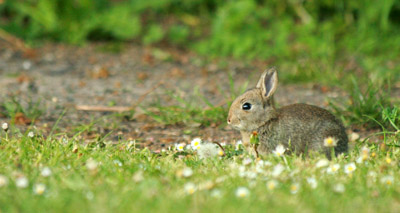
column 20, row 118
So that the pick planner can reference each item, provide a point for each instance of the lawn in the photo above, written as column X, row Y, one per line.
column 121, row 106
column 57, row 173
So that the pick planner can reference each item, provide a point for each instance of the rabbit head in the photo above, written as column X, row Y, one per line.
column 255, row 107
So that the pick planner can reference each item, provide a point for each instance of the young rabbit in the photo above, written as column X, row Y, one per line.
column 298, row 127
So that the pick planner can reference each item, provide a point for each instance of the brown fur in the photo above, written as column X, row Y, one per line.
column 299, row 127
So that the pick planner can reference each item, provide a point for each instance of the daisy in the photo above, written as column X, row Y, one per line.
column 312, row 182
column 333, row 169
column 46, row 172
column 187, row 172
column 3, row 180
column 31, row 134
column 39, row 189
column 195, row 144
column 279, row 150
column 278, row 169
column 117, row 163
column 180, row 147
column 242, row 192
column 272, row 184
column 247, row 161
column 21, row 182
column 339, row 188
column 330, row 142
column 91, row 164
column 350, row 168
column 365, row 153
column 387, row 180
column 239, row 144
column 189, row 188
column 322, row 163
column 294, row 188
column 216, row 193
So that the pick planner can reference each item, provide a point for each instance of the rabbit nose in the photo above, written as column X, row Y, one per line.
column 229, row 121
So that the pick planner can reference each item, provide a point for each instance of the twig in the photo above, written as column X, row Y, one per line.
column 103, row 108
column 220, row 146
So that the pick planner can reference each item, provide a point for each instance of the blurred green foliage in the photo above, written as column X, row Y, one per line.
column 241, row 28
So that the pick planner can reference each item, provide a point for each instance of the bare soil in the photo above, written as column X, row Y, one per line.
column 62, row 77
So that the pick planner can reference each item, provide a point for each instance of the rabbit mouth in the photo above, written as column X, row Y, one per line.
column 238, row 126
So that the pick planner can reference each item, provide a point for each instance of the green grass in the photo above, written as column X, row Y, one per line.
column 13, row 106
column 91, row 178
column 369, row 106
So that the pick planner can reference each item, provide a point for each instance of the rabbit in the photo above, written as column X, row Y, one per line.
column 300, row 128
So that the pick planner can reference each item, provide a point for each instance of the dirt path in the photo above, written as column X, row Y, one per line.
column 60, row 77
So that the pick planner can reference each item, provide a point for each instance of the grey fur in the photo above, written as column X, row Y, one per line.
column 299, row 127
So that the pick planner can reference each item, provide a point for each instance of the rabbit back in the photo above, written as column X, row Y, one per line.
column 302, row 128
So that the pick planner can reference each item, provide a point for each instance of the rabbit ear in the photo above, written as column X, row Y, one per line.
column 268, row 82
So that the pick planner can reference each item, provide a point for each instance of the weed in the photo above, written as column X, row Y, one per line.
column 363, row 107
column 14, row 107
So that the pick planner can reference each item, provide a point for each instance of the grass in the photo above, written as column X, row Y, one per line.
column 90, row 178
column 369, row 106
column 15, row 109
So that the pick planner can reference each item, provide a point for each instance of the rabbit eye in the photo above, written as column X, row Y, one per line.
column 246, row 106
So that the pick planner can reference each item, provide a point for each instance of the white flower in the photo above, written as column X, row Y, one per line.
column 278, row 169
column 46, row 172
column 3, row 180
column 372, row 175
column 242, row 192
column 247, row 161
column 350, row 168
column 294, row 188
column 31, row 134
column 117, row 162
column 21, row 182
column 208, row 150
column 312, row 182
column 279, row 150
column 354, row 136
column 333, row 169
column 187, row 172
column 365, row 153
column 216, row 193
column 387, row 180
column 360, row 160
column 251, row 175
column 272, row 184
column 196, row 143
column 138, row 176
column 180, row 147
column 239, row 144
column 190, row 188
column 339, row 188
column 330, row 142
column 322, row 163
column 91, row 164
column 4, row 126
column 39, row 188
